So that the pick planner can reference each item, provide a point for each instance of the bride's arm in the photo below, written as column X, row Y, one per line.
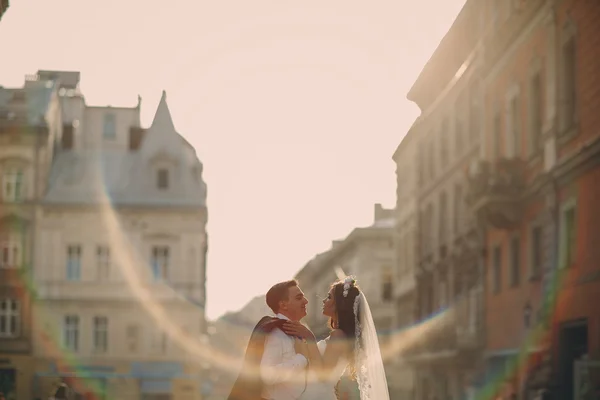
column 337, row 348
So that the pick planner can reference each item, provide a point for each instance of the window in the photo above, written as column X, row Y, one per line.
column 442, row 225
column 515, row 261
column 13, row 185
column 387, row 284
column 164, row 341
column 162, row 178
column 536, row 251
column 67, row 138
column 567, row 236
column 496, row 12
column 10, row 253
column 160, row 342
column 10, row 318
column 430, row 228
column 422, row 242
column 475, row 113
column 71, row 332
column 473, row 309
column 110, row 126
column 535, row 113
column 497, row 139
column 103, row 262
column 422, row 162
column 443, row 293
column 458, row 205
column 444, row 141
column 74, row 263
column 100, row 334
column 512, row 133
column 497, row 269
column 133, row 338
column 160, row 262
column 569, row 86
column 458, row 133
column 431, row 160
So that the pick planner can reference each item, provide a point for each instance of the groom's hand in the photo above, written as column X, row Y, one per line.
column 296, row 329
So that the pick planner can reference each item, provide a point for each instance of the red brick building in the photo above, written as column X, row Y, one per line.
column 536, row 189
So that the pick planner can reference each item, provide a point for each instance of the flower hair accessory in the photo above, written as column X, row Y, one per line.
column 348, row 283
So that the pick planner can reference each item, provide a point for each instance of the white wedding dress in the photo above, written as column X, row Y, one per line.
column 323, row 389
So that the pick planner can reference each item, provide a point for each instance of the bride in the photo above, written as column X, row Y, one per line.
column 352, row 346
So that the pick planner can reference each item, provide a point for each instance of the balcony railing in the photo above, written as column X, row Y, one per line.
column 455, row 331
column 496, row 191
column 469, row 322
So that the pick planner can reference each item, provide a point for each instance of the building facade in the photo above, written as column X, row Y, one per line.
column 406, row 245
column 448, row 272
column 541, row 150
column 121, row 243
column 30, row 122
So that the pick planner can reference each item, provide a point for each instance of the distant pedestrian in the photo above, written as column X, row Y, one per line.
column 61, row 392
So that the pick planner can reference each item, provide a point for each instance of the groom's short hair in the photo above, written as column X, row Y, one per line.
column 279, row 292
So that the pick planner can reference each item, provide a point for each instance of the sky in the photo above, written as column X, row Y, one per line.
column 294, row 107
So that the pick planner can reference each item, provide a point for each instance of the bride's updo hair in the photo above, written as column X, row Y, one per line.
column 344, row 318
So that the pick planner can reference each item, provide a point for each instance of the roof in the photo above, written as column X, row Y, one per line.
column 380, row 228
column 449, row 55
column 125, row 177
column 67, row 79
column 406, row 138
column 37, row 97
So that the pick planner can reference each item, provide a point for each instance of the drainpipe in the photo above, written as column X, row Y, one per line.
column 39, row 131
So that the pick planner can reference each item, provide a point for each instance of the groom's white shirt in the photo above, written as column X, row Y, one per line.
column 281, row 367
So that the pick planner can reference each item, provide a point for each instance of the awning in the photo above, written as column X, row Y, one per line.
column 151, row 386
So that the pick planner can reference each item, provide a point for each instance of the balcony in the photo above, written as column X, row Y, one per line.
column 496, row 191
column 469, row 324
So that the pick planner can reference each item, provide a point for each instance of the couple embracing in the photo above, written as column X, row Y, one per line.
column 283, row 360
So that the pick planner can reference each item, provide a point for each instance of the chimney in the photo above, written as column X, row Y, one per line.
column 382, row 213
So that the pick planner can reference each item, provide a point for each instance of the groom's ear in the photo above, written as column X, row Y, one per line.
column 283, row 305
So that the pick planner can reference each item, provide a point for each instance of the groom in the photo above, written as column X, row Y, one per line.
column 271, row 367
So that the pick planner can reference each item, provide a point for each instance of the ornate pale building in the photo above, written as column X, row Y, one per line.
column 122, row 247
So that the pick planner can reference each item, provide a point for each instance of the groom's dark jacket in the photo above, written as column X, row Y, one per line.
column 249, row 385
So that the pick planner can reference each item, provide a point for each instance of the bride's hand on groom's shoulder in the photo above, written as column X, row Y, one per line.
column 298, row 330
column 301, row 347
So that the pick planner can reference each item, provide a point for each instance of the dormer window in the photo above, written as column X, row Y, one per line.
column 162, row 178
column 110, row 126
column 13, row 185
